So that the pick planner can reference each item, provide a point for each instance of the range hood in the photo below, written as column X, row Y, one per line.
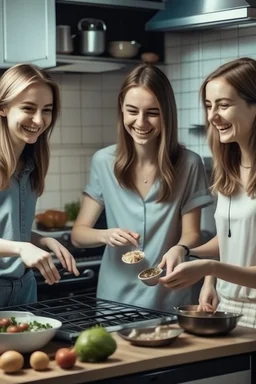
column 195, row 14
column 146, row 4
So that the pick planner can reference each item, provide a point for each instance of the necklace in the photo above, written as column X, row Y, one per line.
column 146, row 178
column 243, row 166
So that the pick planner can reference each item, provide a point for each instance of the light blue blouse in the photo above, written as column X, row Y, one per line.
column 17, row 211
column 159, row 226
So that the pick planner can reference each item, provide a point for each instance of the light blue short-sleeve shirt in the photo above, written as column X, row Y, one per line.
column 17, row 211
column 159, row 226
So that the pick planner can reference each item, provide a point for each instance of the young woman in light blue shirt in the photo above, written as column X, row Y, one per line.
column 152, row 190
column 29, row 106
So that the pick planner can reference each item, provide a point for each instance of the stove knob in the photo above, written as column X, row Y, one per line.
column 66, row 238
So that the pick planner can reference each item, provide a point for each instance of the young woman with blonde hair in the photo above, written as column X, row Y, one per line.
column 229, row 99
column 29, row 106
column 152, row 190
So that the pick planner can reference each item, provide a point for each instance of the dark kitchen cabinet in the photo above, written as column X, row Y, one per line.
column 27, row 32
column 123, row 23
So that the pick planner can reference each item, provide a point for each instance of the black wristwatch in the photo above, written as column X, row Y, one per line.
column 186, row 248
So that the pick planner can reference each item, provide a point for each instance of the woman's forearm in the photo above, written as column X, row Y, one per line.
column 9, row 248
column 210, row 280
column 190, row 239
column 244, row 276
column 207, row 250
column 83, row 236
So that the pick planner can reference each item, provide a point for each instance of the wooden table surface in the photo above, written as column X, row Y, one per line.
column 129, row 359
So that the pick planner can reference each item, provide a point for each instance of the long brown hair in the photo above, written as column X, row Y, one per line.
column 169, row 150
column 240, row 74
column 14, row 81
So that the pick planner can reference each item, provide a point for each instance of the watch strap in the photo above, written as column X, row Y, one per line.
column 186, row 248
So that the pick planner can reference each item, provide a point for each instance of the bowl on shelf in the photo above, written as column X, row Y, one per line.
column 123, row 49
column 203, row 323
column 149, row 57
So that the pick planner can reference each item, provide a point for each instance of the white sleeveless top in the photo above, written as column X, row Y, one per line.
column 240, row 248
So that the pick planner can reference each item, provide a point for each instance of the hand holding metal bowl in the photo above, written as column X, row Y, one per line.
column 204, row 323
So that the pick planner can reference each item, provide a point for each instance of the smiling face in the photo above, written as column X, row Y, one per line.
column 141, row 115
column 227, row 112
column 29, row 114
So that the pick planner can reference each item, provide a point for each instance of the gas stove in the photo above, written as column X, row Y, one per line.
column 80, row 312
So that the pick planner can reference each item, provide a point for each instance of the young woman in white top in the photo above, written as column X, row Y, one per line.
column 229, row 99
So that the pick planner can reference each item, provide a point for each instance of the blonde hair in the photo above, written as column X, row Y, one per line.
column 169, row 150
column 14, row 81
column 241, row 75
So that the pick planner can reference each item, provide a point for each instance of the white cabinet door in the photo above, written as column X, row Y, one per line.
column 27, row 32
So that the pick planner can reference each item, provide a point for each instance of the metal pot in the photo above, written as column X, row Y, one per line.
column 64, row 42
column 92, row 36
column 205, row 323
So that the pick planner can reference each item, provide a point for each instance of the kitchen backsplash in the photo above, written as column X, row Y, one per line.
column 87, row 122
column 190, row 57
column 89, row 106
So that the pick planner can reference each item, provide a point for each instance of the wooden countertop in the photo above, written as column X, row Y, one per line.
column 129, row 359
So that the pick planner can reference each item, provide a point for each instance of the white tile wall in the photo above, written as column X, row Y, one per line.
column 88, row 117
column 190, row 57
column 87, row 122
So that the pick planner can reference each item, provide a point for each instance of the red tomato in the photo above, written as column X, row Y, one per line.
column 65, row 358
column 13, row 329
column 5, row 322
column 23, row 326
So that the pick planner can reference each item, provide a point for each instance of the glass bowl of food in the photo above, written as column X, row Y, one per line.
column 150, row 276
column 133, row 257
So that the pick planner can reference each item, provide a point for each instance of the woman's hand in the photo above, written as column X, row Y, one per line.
column 186, row 274
column 208, row 298
column 172, row 258
column 117, row 237
column 35, row 257
column 67, row 260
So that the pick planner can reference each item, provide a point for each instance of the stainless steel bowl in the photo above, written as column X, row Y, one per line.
column 206, row 323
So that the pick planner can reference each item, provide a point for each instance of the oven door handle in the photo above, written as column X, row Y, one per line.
column 86, row 274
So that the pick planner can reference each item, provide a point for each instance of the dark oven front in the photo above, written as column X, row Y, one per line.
column 70, row 285
column 88, row 263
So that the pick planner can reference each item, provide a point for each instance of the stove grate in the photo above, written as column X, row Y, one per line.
column 81, row 312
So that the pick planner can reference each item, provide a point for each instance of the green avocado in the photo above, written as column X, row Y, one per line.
column 94, row 345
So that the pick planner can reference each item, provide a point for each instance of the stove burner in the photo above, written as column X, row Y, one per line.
column 80, row 312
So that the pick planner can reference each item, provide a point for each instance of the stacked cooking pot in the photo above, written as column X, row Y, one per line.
column 91, row 35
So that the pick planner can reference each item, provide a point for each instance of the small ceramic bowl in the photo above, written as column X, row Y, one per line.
column 133, row 257
column 150, row 276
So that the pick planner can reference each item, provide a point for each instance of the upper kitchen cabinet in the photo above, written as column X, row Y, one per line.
column 27, row 32
column 122, row 23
